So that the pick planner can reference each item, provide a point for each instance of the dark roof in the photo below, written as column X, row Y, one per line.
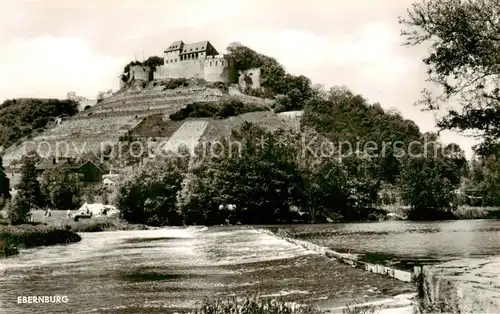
column 196, row 47
column 46, row 165
column 176, row 45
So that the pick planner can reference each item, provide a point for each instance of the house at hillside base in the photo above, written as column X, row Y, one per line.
column 87, row 170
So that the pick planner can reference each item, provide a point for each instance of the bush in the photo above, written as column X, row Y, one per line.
column 26, row 236
column 427, row 190
column 223, row 109
column 62, row 189
column 175, row 83
column 17, row 210
column 18, row 118
column 223, row 86
column 252, row 305
column 150, row 195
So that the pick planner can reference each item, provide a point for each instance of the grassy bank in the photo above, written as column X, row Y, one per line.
column 13, row 238
column 469, row 212
column 256, row 305
column 253, row 305
column 101, row 224
column 59, row 219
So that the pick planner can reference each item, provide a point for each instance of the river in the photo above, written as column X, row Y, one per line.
column 172, row 269
column 406, row 243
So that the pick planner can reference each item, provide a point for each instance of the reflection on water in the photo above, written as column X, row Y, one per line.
column 173, row 269
column 408, row 242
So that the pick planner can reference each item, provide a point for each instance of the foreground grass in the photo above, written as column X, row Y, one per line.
column 253, row 305
column 13, row 238
column 256, row 305
column 60, row 220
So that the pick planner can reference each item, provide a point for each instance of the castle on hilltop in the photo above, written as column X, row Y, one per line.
column 196, row 60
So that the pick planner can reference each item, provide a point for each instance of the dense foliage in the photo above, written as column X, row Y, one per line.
column 482, row 182
column 13, row 238
column 252, row 305
column 150, row 196
column 220, row 109
column 345, row 116
column 175, row 83
column 4, row 182
column 20, row 117
column 274, row 78
column 62, row 189
column 262, row 181
column 152, row 62
column 286, row 176
column 29, row 194
column 464, row 60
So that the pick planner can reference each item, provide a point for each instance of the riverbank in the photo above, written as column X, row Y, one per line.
column 460, row 213
column 462, row 286
column 59, row 219
column 13, row 238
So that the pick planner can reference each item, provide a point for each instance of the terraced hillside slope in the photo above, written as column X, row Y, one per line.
column 91, row 130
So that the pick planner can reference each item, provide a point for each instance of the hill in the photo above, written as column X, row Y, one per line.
column 22, row 117
column 130, row 111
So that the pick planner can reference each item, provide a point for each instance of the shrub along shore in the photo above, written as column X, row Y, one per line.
column 13, row 238
column 55, row 231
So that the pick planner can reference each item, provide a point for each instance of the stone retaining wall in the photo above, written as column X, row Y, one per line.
column 461, row 286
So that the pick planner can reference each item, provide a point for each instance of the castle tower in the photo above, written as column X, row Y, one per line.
column 171, row 54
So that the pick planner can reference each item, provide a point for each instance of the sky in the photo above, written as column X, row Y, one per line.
column 48, row 48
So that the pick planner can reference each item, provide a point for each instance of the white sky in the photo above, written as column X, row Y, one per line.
column 51, row 47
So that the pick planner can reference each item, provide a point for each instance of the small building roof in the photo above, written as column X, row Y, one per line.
column 46, row 165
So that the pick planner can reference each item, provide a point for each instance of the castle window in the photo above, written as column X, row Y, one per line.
column 210, row 63
column 215, row 63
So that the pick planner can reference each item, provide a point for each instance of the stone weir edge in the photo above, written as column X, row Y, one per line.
column 350, row 259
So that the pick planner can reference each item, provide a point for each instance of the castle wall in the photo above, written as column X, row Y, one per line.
column 184, row 69
column 250, row 78
column 139, row 72
column 219, row 69
column 211, row 69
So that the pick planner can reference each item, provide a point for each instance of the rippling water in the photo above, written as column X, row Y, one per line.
column 405, row 242
column 173, row 269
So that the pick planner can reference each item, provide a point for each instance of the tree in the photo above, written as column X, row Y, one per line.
column 482, row 186
column 4, row 182
column 430, row 194
column 62, row 189
column 17, row 210
column 150, row 195
column 263, row 181
column 29, row 187
column 153, row 62
column 464, row 60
